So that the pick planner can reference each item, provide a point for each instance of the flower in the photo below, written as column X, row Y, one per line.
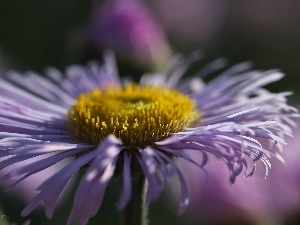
column 273, row 199
column 118, row 128
column 131, row 30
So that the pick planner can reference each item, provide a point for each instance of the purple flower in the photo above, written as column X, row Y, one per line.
column 131, row 30
column 118, row 128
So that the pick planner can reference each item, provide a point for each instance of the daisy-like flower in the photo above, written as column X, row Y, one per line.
column 126, row 129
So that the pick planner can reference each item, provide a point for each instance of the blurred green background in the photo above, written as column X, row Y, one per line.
column 38, row 34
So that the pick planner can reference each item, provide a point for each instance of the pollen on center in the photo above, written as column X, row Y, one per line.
column 138, row 115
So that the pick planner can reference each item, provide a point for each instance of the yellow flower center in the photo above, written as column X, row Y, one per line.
column 138, row 115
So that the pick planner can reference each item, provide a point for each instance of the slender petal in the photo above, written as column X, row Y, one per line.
column 126, row 193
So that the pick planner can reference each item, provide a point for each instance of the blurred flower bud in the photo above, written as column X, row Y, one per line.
column 129, row 28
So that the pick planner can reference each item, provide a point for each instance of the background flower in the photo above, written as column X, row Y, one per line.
column 130, row 28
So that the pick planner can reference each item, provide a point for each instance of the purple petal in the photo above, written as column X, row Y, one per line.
column 92, row 186
column 126, row 192
column 52, row 188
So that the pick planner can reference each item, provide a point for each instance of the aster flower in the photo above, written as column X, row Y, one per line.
column 118, row 128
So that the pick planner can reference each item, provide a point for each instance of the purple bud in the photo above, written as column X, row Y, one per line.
column 129, row 28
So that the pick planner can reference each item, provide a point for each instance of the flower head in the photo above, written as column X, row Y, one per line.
column 116, row 127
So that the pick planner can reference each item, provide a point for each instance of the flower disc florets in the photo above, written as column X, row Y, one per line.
column 138, row 115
